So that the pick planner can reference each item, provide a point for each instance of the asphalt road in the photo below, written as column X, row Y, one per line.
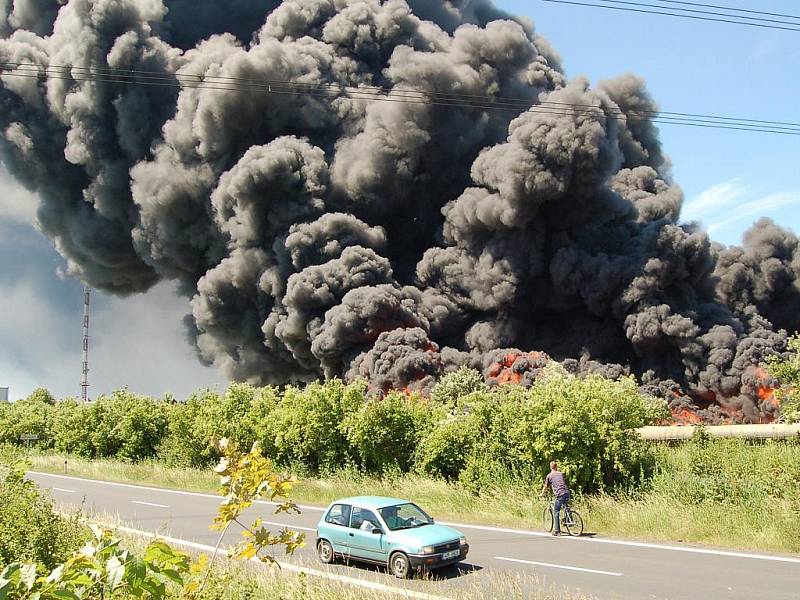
column 602, row 568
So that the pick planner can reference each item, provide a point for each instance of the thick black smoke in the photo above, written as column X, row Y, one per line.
column 338, row 236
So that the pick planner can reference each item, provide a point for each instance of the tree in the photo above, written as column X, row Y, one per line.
column 456, row 385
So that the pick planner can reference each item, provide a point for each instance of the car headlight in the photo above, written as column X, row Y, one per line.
column 428, row 550
column 462, row 541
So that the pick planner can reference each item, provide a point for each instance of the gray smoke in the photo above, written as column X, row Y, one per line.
column 348, row 235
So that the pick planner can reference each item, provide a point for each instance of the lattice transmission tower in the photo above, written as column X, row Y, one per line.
column 87, row 294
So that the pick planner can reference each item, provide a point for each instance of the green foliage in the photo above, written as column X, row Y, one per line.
column 246, row 477
column 787, row 371
column 30, row 416
column 308, row 425
column 384, row 433
column 194, row 426
column 443, row 452
column 464, row 432
column 584, row 424
column 731, row 472
column 457, row 385
column 124, row 425
column 30, row 527
column 104, row 569
column 41, row 395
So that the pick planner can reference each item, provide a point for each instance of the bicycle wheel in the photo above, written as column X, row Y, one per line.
column 573, row 522
column 547, row 519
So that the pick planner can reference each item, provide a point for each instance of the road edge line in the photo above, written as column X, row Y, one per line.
column 374, row 585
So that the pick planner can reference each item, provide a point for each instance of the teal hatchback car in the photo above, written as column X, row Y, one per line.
column 387, row 531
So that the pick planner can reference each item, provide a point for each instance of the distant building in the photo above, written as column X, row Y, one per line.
column 3, row 394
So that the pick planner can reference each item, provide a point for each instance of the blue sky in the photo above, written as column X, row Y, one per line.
column 730, row 178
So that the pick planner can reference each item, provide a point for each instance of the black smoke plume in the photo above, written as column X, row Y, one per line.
column 338, row 235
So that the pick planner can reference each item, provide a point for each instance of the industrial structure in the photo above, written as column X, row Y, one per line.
column 87, row 292
column 750, row 432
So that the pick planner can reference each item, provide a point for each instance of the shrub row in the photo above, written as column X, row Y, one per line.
column 464, row 431
column 30, row 527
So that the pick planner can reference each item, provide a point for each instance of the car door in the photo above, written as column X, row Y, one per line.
column 337, row 522
column 363, row 542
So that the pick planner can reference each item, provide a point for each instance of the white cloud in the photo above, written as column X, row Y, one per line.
column 714, row 198
column 728, row 208
column 758, row 207
column 16, row 203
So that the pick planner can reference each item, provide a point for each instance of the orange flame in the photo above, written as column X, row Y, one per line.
column 502, row 370
column 765, row 391
column 686, row 416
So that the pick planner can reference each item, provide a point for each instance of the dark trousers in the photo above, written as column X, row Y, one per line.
column 561, row 501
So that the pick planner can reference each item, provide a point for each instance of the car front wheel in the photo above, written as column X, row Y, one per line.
column 399, row 565
column 325, row 552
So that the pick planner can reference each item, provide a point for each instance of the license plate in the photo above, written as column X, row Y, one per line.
column 451, row 554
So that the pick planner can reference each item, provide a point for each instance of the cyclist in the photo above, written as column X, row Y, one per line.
column 555, row 481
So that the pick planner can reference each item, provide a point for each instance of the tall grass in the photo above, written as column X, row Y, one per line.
column 728, row 493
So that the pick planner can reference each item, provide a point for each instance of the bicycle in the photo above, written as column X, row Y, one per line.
column 571, row 520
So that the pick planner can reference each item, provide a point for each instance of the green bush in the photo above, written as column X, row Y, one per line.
column 32, row 415
column 308, row 425
column 583, row 424
column 464, row 432
column 385, row 433
column 238, row 415
column 126, row 426
column 30, row 527
column 72, row 428
column 443, row 452
column 459, row 384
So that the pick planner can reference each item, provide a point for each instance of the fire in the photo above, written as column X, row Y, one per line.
column 765, row 391
column 686, row 416
column 511, row 367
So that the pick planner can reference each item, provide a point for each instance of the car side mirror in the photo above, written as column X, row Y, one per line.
column 377, row 531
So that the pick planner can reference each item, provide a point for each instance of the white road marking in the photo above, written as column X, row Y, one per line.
column 290, row 526
column 373, row 585
column 165, row 490
column 526, row 532
column 149, row 504
column 544, row 564
column 65, row 491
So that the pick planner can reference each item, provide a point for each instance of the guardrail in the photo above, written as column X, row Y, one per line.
column 750, row 432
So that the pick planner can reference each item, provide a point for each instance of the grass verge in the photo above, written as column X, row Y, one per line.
column 727, row 494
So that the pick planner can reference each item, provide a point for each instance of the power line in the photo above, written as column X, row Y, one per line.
column 682, row 13
column 492, row 101
column 112, row 75
column 660, row 4
column 374, row 93
column 731, row 9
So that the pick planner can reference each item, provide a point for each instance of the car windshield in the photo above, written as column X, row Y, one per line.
column 404, row 516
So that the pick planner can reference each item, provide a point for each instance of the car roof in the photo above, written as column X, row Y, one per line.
column 371, row 501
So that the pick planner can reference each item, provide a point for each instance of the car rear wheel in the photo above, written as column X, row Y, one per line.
column 399, row 565
column 325, row 552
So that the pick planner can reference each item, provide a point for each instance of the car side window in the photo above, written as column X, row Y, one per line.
column 361, row 516
column 339, row 514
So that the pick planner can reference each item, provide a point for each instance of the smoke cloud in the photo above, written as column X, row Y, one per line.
column 346, row 235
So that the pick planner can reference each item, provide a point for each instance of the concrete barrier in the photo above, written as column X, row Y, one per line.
column 750, row 432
